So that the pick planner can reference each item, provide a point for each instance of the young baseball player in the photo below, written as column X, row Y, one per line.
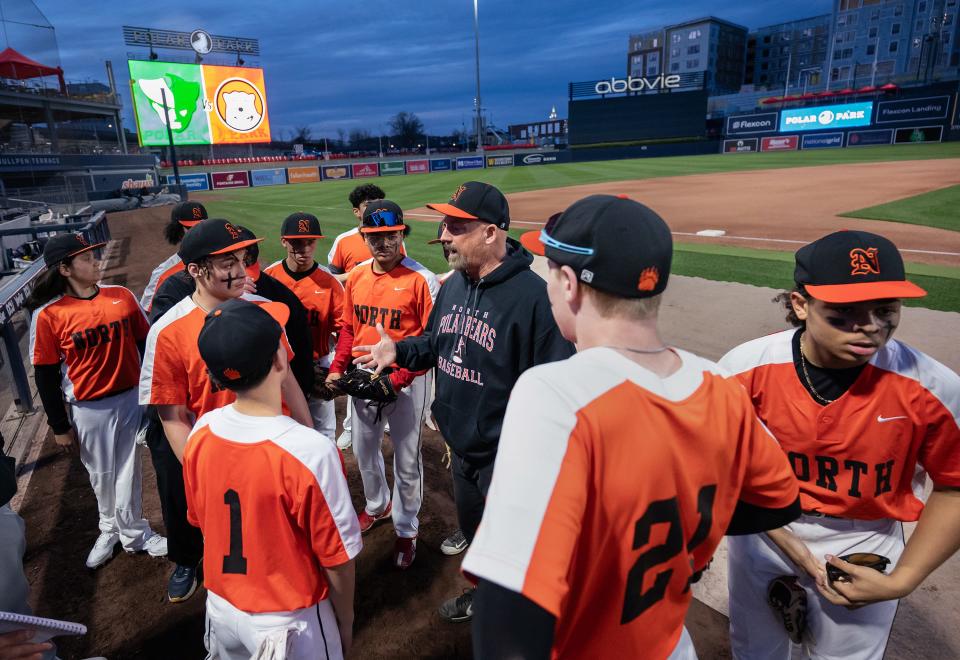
column 273, row 503
column 174, row 378
column 322, row 296
column 397, row 293
column 347, row 252
column 183, row 216
column 84, row 340
column 861, row 417
column 646, row 456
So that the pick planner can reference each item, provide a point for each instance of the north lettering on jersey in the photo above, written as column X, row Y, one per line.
column 371, row 315
column 856, row 478
column 101, row 334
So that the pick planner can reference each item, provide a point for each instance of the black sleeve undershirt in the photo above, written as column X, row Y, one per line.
column 752, row 519
column 49, row 387
column 509, row 625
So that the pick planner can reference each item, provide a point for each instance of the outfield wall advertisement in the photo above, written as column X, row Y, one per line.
column 193, row 182
column 334, row 172
column 418, row 166
column 441, row 165
column 205, row 104
column 870, row 138
column 826, row 116
column 499, row 161
column 272, row 177
column 918, row 134
column 779, row 143
column 934, row 107
column 765, row 122
column 391, row 168
column 303, row 174
column 740, row 146
column 222, row 180
column 365, row 170
column 470, row 163
column 822, row 140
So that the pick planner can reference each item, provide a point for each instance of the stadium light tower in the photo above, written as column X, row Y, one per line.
column 476, row 42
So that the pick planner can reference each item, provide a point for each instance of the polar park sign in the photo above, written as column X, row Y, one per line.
column 826, row 116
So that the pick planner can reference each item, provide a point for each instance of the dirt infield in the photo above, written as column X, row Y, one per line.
column 124, row 603
column 772, row 209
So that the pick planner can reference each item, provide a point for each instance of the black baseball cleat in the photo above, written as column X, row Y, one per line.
column 182, row 583
column 459, row 608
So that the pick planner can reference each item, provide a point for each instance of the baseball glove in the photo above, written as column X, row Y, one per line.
column 362, row 384
column 789, row 600
column 320, row 388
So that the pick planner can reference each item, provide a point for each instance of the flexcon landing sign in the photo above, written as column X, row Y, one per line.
column 204, row 104
column 826, row 116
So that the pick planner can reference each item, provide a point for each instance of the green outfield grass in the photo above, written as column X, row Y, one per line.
column 775, row 269
column 938, row 208
column 263, row 209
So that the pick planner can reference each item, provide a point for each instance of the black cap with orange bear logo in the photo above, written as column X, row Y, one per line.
column 475, row 200
column 613, row 243
column 239, row 339
column 66, row 245
column 213, row 236
column 853, row 266
column 300, row 225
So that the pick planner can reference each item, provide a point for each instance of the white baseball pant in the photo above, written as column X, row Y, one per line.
column 232, row 634
column 107, row 432
column 324, row 413
column 833, row 632
column 406, row 424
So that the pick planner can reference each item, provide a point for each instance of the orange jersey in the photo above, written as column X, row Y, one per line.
column 400, row 300
column 637, row 478
column 349, row 251
column 173, row 372
column 272, row 501
column 322, row 295
column 157, row 277
column 95, row 339
column 857, row 457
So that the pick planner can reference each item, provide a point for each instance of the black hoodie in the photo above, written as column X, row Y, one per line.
column 481, row 336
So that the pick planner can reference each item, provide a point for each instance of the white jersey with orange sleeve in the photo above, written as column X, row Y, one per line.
column 857, row 457
column 172, row 265
column 95, row 339
column 637, row 479
column 173, row 372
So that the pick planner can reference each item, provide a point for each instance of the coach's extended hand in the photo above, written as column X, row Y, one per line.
column 379, row 355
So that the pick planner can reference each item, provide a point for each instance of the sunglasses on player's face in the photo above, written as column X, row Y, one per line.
column 546, row 239
column 868, row 559
column 382, row 219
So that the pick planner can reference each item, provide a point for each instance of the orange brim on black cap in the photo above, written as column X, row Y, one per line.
column 862, row 291
column 239, row 245
column 531, row 241
column 452, row 211
column 290, row 237
column 189, row 223
column 279, row 311
column 85, row 249
column 376, row 230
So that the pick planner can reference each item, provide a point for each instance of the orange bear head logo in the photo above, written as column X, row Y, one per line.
column 233, row 230
column 648, row 279
column 303, row 226
column 230, row 373
column 864, row 261
column 456, row 194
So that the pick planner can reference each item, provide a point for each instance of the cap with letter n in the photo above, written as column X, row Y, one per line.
column 189, row 214
column 300, row 225
column 475, row 200
column 239, row 339
column 853, row 266
column 62, row 246
column 211, row 237
column 613, row 243
column 382, row 215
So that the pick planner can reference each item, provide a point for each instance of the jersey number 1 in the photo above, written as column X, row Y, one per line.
column 235, row 562
column 635, row 600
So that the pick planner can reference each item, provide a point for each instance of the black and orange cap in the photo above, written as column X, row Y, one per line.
column 382, row 215
column 300, row 225
column 213, row 236
column 66, row 245
column 613, row 243
column 189, row 214
column 239, row 339
column 475, row 200
column 853, row 266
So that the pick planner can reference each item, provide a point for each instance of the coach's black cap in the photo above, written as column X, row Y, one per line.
column 853, row 266
column 436, row 240
column 239, row 339
column 476, row 200
column 189, row 214
column 382, row 215
column 614, row 244
column 213, row 236
column 62, row 246
column 301, row 225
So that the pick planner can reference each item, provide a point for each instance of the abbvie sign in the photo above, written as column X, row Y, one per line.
column 636, row 84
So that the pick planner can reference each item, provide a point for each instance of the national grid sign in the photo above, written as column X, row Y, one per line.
column 826, row 116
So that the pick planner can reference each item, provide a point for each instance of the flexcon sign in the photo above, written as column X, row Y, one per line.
column 826, row 116
column 204, row 104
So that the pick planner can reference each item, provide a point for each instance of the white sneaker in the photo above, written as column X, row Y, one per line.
column 345, row 441
column 155, row 546
column 102, row 550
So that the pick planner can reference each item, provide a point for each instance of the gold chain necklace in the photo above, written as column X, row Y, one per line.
column 806, row 376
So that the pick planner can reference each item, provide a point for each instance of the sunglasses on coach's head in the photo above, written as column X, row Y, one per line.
column 548, row 240
column 868, row 559
column 384, row 219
